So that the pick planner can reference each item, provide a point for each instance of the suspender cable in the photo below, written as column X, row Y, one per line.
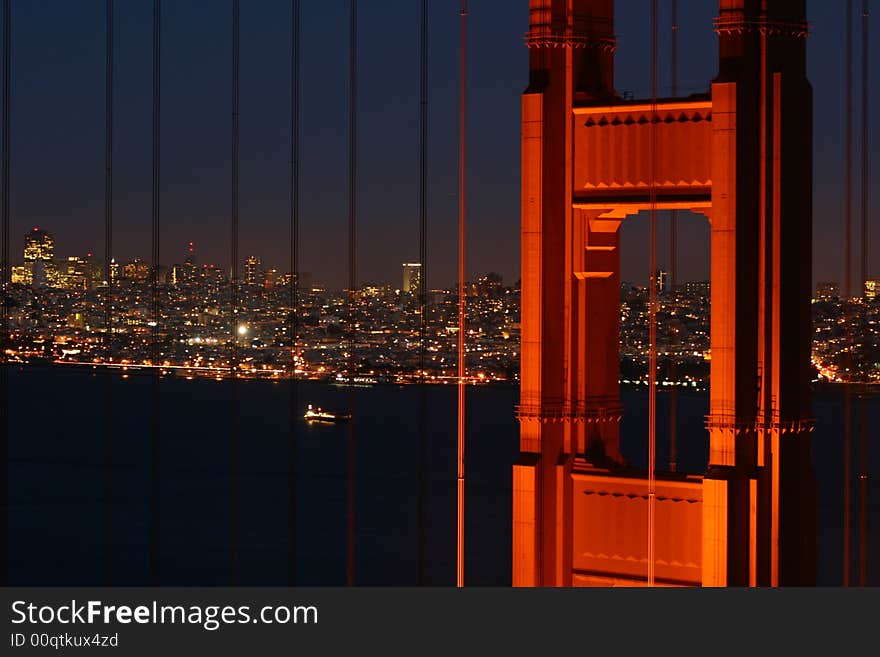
column 652, row 311
column 155, row 433
column 462, row 364
column 294, row 282
column 673, row 274
column 423, row 286
column 765, row 411
column 863, row 446
column 847, row 291
column 4, row 306
column 233, row 286
column 352, row 282
column 108, row 301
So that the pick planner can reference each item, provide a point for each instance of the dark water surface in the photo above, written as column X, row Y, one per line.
column 57, row 502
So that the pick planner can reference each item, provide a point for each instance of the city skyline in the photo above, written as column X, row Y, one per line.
column 60, row 319
column 190, row 250
column 58, row 151
column 257, row 261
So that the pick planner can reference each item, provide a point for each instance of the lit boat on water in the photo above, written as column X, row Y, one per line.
column 319, row 415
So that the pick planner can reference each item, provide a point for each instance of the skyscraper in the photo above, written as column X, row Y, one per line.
column 39, row 257
column 136, row 270
column 661, row 280
column 39, row 245
column 80, row 273
column 252, row 270
column 412, row 277
column 189, row 271
column 269, row 278
column 489, row 285
column 826, row 291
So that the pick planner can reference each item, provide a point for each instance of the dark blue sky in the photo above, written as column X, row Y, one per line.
column 58, row 119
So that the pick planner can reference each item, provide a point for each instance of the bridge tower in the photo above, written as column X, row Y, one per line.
column 741, row 154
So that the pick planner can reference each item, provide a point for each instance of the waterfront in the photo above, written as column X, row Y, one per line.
column 56, row 454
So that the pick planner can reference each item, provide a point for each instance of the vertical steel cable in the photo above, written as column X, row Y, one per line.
column 673, row 274
column 233, row 360
column 352, row 284
column 108, row 302
column 863, row 445
column 462, row 351
column 423, row 287
column 847, row 285
column 4, row 306
column 652, row 310
column 294, row 282
column 154, row 574
column 765, row 411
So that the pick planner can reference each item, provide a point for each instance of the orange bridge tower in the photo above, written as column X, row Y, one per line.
column 740, row 154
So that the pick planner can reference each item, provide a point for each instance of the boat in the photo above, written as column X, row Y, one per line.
column 319, row 415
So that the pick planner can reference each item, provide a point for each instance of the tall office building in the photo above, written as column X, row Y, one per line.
column 697, row 288
column 872, row 288
column 39, row 257
column 269, row 278
column 826, row 291
column 252, row 268
column 188, row 273
column 190, row 254
column 80, row 273
column 412, row 277
column 136, row 270
column 39, row 245
column 22, row 274
column 489, row 285
column 661, row 280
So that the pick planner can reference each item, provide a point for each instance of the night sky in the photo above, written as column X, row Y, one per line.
column 58, row 130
